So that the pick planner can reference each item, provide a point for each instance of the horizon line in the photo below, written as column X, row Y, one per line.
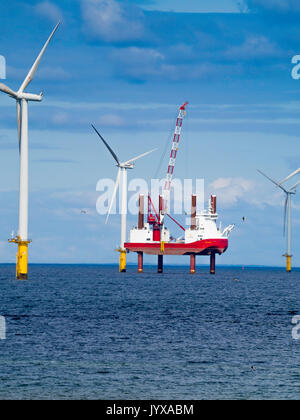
column 154, row 265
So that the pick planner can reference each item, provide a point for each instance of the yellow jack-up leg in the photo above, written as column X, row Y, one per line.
column 21, row 259
column 122, row 265
column 288, row 263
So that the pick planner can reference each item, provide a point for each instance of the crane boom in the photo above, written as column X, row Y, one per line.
column 174, row 150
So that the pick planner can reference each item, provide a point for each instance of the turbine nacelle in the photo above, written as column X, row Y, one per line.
column 31, row 97
column 126, row 165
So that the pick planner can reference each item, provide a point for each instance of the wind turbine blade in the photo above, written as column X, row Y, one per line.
column 114, row 194
column 285, row 215
column 290, row 176
column 274, row 182
column 108, row 146
column 35, row 66
column 295, row 186
column 7, row 90
column 138, row 157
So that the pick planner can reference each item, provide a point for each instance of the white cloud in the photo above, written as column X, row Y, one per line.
column 231, row 190
column 76, row 199
column 111, row 120
column 161, row 63
column 149, row 63
column 55, row 73
column 111, row 21
column 138, row 62
column 253, row 47
column 61, row 118
column 48, row 10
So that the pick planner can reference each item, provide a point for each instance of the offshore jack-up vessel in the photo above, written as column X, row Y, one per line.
column 203, row 237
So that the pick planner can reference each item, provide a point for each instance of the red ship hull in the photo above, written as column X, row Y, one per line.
column 204, row 247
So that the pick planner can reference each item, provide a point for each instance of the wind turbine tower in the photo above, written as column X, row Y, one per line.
column 22, row 98
column 287, row 213
column 121, row 177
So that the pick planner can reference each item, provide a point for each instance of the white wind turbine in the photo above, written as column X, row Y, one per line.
column 22, row 98
column 287, row 213
column 122, row 176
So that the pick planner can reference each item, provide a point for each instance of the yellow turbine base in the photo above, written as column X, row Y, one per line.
column 288, row 263
column 21, row 258
column 22, row 261
column 122, row 265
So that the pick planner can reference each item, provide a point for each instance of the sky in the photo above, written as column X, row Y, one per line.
column 126, row 66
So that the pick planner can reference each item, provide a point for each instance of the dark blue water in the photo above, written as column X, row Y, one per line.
column 87, row 332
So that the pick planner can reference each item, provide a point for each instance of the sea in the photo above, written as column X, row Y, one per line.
column 88, row 332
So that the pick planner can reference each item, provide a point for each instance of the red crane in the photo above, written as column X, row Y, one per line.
column 174, row 151
column 156, row 220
